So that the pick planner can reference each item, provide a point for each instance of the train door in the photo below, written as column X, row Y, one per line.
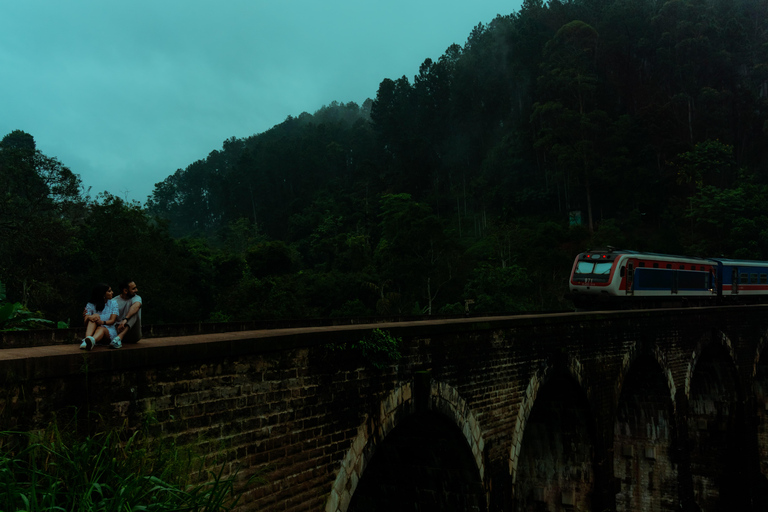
column 735, row 281
column 631, row 277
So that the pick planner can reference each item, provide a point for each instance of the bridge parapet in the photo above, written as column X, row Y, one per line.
column 311, row 420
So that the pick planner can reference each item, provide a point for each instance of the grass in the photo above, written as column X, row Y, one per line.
column 117, row 470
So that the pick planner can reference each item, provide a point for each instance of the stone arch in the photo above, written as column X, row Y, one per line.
column 714, row 425
column 398, row 405
column 523, row 413
column 576, row 371
column 626, row 362
column 447, row 400
column 370, row 433
column 759, row 385
column 758, row 352
column 696, row 354
column 626, row 366
column 644, row 435
column 540, row 377
column 561, row 426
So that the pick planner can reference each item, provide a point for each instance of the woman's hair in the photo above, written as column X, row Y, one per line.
column 97, row 296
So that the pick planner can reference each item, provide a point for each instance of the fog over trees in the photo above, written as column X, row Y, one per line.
column 645, row 121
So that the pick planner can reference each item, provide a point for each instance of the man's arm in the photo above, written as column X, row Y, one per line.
column 130, row 316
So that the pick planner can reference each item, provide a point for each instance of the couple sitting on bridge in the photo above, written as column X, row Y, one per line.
column 111, row 321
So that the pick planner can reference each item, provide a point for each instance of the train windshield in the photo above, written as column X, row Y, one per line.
column 589, row 267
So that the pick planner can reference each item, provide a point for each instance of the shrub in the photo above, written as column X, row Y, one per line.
column 110, row 471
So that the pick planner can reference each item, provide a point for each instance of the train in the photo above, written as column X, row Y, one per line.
column 619, row 279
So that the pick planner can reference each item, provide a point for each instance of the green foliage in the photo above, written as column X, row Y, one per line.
column 110, row 471
column 15, row 317
column 218, row 316
column 379, row 348
column 270, row 258
column 351, row 309
column 452, row 309
column 730, row 222
column 711, row 163
column 499, row 290
column 609, row 233
column 414, row 250
column 39, row 204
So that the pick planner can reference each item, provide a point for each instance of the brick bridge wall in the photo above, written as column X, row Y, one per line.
column 643, row 410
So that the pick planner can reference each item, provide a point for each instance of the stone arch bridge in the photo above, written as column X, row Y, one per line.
column 641, row 410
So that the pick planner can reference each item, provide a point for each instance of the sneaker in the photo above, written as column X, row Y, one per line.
column 116, row 343
column 88, row 343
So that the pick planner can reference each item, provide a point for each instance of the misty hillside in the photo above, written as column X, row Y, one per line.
column 636, row 124
column 584, row 105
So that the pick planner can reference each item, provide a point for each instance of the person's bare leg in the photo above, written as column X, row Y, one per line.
column 100, row 333
column 90, row 328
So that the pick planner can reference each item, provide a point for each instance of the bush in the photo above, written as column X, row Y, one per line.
column 111, row 471
column 380, row 349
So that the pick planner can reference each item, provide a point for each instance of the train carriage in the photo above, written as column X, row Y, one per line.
column 641, row 279
column 613, row 278
column 744, row 280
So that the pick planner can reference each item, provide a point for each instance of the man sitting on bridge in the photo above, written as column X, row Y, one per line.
column 129, row 313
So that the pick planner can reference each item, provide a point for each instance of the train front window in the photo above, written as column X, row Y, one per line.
column 603, row 268
column 589, row 267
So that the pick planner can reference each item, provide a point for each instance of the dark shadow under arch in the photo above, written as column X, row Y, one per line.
column 716, row 433
column 423, row 464
column 761, row 399
column 644, row 440
column 555, row 467
column 760, row 388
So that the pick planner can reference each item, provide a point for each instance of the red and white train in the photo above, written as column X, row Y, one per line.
column 615, row 278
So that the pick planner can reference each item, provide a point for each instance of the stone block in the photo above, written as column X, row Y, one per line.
column 359, row 443
column 344, row 501
column 340, row 484
column 333, row 502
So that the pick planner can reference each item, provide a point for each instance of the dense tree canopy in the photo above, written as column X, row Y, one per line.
column 568, row 124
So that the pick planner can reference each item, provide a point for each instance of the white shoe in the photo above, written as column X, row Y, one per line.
column 116, row 343
column 88, row 343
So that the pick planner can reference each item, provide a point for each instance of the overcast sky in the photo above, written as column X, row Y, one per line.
column 125, row 93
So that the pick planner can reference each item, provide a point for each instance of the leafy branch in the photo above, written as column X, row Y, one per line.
column 379, row 348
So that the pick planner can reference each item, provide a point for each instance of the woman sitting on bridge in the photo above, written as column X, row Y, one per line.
column 100, row 316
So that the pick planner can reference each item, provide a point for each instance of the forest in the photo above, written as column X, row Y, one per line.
column 568, row 125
